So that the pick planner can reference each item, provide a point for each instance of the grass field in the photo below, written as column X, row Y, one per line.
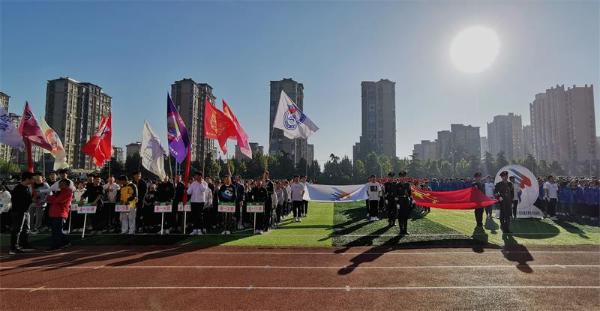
column 345, row 224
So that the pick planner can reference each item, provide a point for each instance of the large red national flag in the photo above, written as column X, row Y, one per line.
column 30, row 129
column 469, row 198
column 99, row 147
column 217, row 125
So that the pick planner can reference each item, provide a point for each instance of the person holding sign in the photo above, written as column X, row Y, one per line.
column 197, row 191
column 60, row 204
column 93, row 193
column 127, row 196
column 259, row 196
column 226, row 194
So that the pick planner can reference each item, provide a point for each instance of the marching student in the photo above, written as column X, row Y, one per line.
column 226, row 194
column 279, row 193
column 390, row 190
column 62, row 174
column 297, row 195
column 127, row 196
column 197, row 191
column 239, row 202
column 60, row 204
column 374, row 191
column 175, row 218
column 20, row 200
column 148, row 218
column 165, row 191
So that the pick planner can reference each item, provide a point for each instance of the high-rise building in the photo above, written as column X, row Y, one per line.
column 444, row 144
column 118, row 154
column 426, row 150
column 505, row 134
column 485, row 147
column 254, row 147
column 278, row 143
column 528, row 142
column 310, row 153
column 5, row 150
column 378, row 119
column 133, row 149
column 465, row 141
column 74, row 110
column 189, row 97
column 564, row 125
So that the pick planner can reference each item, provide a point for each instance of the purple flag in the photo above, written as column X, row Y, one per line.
column 177, row 134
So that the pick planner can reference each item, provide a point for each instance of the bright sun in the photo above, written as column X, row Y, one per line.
column 474, row 49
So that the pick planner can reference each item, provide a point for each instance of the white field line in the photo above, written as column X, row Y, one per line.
column 299, row 288
column 244, row 267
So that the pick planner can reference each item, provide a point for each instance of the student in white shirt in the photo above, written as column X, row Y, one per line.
column 374, row 191
column 515, row 202
column 489, row 192
column 297, row 194
column 198, row 192
column 551, row 196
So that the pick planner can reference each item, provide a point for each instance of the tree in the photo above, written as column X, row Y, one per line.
column 431, row 168
column 116, row 169
column 372, row 165
column 543, row 168
column 345, row 170
column 488, row 163
column 462, row 168
column 474, row 165
column 133, row 164
column 359, row 174
column 385, row 164
column 399, row 165
column 556, row 169
column 415, row 168
column 314, row 171
column 500, row 162
column 445, row 169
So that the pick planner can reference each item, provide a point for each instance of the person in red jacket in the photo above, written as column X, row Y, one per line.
column 60, row 203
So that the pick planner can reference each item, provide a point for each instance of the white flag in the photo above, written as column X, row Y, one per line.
column 58, row 151
column 152, row 152
column 9, row 134
column 291, row 120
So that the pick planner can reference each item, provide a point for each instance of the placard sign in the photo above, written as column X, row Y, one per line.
column 74, row 207
column 87, row 209
column 162, row 208
column 188, row 207
column 226, row 208
column 255, row 208
column 122, row 208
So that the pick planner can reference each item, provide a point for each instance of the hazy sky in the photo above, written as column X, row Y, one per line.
column 136, row 49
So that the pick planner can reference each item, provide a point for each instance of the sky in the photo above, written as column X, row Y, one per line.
column 135, row 50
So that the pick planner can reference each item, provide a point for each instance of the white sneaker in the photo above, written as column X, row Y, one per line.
column 224, row 232
column 256, row 231
column 199, row 232
column 204, row 231
column 194, row 232
column 227, row 232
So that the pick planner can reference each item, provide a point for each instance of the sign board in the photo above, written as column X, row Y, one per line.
column 226, row 208
column 188, row 207
column 87, row 209
column 255, row 208
column 122, row 208
column 163, row 208
column 74, row 207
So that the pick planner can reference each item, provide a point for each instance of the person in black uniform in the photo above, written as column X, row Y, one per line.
column 94, row 192
column 481, row 187
column 239, row 202
column 258, row 195
column 226, row 194
column 389, row 189
column 267, row 215
column 504, row 193
column 403, row 196
column 21, row 198
column 142, row 188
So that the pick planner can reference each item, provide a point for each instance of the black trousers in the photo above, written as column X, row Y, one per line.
column 479, row 216
column 305, row 207
column 403, row 212
column 373, row 207
column 505, row 213
column 58, row 237
column 279, row 212
column 171, row 218
column 198, row 217
column 515, row 203
column 266, row 223
column 19, row 230
column 297, row 208
column 551, row 207
column 392, row 210
column 110, row 215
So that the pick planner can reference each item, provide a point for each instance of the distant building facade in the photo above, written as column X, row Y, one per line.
column 528, row 142
column 5, row 150
column 74, row 110
column 118, row 154
column 378, row 110
column 505, row 134
column 426, row 150
column 310, row 153
column 485, row 147
column 133, row 149
column 254, row 147
column 279, row 144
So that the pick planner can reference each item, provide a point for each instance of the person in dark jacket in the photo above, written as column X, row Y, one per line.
column 20, row 200
column 142, row 188
column 481, row 187
column 175, row 219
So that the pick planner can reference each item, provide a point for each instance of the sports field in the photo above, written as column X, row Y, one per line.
column 334, row 259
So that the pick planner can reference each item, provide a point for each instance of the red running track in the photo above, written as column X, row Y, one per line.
column 187, row 278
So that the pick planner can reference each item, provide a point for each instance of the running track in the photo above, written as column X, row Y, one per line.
column 186, row 278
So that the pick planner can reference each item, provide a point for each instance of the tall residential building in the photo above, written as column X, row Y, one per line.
column 74, row 110
column 278, row 143
column 485, row 147
column 378, row 119
column 310, row 153
column 5, row 150
column 189, row 97
column 444, row 144
column 505, row 134
column 118, row 154
column 426, row 150
column 254, row 147
column 465, row 141
column 564, row 125
column 133, row 149
column 528, row 142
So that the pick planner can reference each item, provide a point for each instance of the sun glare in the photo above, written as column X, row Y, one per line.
column 474, row 49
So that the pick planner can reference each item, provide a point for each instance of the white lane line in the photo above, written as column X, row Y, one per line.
column 299, row 288
column 242, row 253
column 266, row 267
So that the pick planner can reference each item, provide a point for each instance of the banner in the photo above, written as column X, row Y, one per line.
column 177, row 135
column 99, row 147
column 58, row 151
column 469, row 198
column 293, row 122
column 9, row 134
column 329, row 193
column 528, row 190
column 152, row 152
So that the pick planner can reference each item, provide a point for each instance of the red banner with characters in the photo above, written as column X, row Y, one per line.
column 470, row 198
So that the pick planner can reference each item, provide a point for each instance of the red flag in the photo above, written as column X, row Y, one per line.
column 242, row 137
column 469, row 198
column 99, row 147
column 31, row 131
column 217, row 125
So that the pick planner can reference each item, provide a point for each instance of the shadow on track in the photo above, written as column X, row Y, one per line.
column 513, row 251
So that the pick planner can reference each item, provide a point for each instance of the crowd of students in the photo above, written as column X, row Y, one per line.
column 127, row 206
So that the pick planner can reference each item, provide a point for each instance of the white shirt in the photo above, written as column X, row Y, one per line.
column 551, row 190
column 56, row 188
column 198, row 191
column 111, row 192
column 374, row 191
column 305, row 195
column 516, row 188
column 489, row 189
column 297, row 190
